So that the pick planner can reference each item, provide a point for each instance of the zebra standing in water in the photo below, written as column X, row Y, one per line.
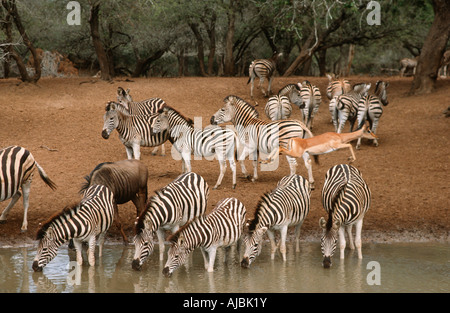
column 346, row 199
column 347, row 106
column 144, row 107
column 187, row 140
column 134, row 130
column 370, row 109
column 287, row 205
column 263, row 68
column 17, row 166
column 176, row 204
column 260, row 136
column 221, row 228
column 292, row 91
column 278, row 108
column 311, row 99
column 82, row 222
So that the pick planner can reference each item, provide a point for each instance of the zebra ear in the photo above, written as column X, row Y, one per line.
column 299, row 85
column 336, row 225
column 181, row 239
column 322, row 223
column 50, row 234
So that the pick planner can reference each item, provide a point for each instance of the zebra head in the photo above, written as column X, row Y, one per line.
column 143, row 244
column 253, row 245
column 176, row 256
column 226, row 113
column 161, row 123
column 380, row 91
column 329, row 239
column 47, row 249
column 110, row 119
column 123, row 97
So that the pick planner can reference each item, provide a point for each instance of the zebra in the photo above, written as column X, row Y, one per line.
column 370, row 108
column 134, row 130
column 187, row 140
column 287, row 205
column 346, row 106
column 149, row 106
column 292, row 91
column 312, row 99
column 178, row 203
column 336, row 87
column 221, row 228
column 17, row 166
column 263, row 68
column 278, row 108
column 261, row 136
column 84, row 221
column 346, row 198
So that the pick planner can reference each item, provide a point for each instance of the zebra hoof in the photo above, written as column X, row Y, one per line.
column 215, row 187
column 234, row 186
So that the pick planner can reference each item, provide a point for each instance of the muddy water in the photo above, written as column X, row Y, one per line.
column 412, row 267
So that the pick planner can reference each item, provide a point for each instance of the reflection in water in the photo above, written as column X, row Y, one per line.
column 402, row 268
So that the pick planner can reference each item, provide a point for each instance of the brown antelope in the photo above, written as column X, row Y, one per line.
column 322, row 144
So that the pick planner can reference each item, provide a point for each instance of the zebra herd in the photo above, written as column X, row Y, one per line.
column 180, row 206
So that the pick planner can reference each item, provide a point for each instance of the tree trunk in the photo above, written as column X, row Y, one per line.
column 229, row 60
column 98, row 45
column 211, row 30
column 322, row 61
column 142, row 65
column 200, row 52
column 432, row 50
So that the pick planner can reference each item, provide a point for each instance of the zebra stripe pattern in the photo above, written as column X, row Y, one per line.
column 311, row 99
column 144, row 107
column 178, row 203
column 346, row 198
column 17, row 166
column 134, row 130
column 221, row 228
column 262, row 68
column 292, row 91
column 346, row 106
column 278, row 108
column 260, row 136
column 337, row 86
column 83, row 222
column 370, row 108
column 187, row 140
column 286, row 206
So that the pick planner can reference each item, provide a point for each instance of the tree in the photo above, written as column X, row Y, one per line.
column 105, row 72
column 433, row 49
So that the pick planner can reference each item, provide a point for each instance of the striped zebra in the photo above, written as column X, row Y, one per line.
column 149, row 106
column 17, row 166
column 134, row 130
column 346, row 106
column 346, row 199
column 292, row 91
column 263, row 68
column 261, row 136
column 82, row 222
column 221, row 228
column 278, row 108
column 370, row 108
column 187, row 140
column 286, row 206
column 311, row 99
column 336, row 87
column 178, row 203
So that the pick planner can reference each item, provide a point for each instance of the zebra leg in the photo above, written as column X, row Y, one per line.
column 261, row 81
column 292, row 164
column 212, row 257
column 91, row 250
column 350, row 237
column 163, row 150
column 252, row 86
column 223, row 169
column 273, row 244
column 307, row 159
column 297, row 237
column 283, row 232
column 154, row 151
column 129, row 151
column 269, row 89
column 26, row 197
column 342, row 242
column 358, row 242
column 233, row 170
column 78, row 248
column 374, row 130
column 255, row 165
column 205, row 258
column 14, row 199
column 101, row 241
column 137, row 151
column 160, row 235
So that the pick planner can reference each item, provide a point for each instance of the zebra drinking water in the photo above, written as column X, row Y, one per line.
column 134, row 130
column 178, row 203
column 90, row 218
column 220, row 228
column 187, row 140
column 370, row 108
column 311, row 99
column 17, row 166
column 262, row 68
column 286, row 206
column 258, row 136
column 346, row 199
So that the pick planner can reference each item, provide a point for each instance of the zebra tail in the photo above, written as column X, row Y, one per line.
column 45, row 177
column 252, row 68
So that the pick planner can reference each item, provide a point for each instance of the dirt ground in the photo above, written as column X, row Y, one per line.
column 60, row 121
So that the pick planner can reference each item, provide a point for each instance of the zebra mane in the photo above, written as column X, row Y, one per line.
column 241, row 103
column 43, row 229
column 264, row 199
column 167, row 107
column 140, row 223
column 86, row 185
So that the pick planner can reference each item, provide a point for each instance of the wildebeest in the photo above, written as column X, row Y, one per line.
column 127, row 179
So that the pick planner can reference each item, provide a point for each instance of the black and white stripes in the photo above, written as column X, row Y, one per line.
column 262, row 68
column 83, row 222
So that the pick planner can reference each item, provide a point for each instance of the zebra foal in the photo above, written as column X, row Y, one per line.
column 178, row 203
column 91, row 217
column 286, row 206
column 346, row 198
column 220, row 228
column 17, row 166
column 262, row 68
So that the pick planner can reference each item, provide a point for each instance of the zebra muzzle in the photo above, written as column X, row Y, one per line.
column 245, row 262
column 105, row 134
column 326, row 262
column 36, row 267
column 166, row 271
column 212, row 121
column 136, row 265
